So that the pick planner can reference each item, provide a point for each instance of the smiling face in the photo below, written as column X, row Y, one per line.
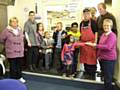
column 86, row 15
column 102, row 8
column 59, row 26
column 107, row 25
column 13, row 22
column 74, row 28
column 47, row 34
column 41, row 27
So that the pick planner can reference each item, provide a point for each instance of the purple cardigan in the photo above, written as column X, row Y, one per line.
column 14, row 44
column 107, row 47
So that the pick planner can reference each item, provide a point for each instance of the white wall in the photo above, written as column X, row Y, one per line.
column 21, row 10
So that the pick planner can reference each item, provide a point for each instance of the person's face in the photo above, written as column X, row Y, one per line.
column 74, row 28
column 107, row 26
column 47, row 35
column 71, row 39
column 87, row 15
column 59, row 26
column 32, row 16
column 14, row 23
column 41, row 27
column 101, row 10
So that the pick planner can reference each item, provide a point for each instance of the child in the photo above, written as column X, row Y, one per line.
column 47, row 49
column 67, row 55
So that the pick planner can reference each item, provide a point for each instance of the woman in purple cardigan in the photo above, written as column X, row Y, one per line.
column 107, row 52
column 12, row 38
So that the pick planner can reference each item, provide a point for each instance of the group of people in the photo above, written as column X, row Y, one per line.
column 96, row 39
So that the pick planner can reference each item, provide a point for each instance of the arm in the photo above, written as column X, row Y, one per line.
column 80, row 30
column 43, row 45
column 3, row 36
column 114, row 25
column 27, row 38
column 95, row 29
column 96, row 37
column 76, row 44
column 26, row 28
column 111, row 41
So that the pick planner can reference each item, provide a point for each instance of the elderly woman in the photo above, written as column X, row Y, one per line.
column 107, row 53
column 12, row 38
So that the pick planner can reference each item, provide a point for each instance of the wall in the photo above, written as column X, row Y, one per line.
column 21, row 9
column 3, row 18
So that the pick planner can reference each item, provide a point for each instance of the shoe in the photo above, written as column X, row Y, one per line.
column 102, row 78
column 22, row 80
column 71, row 77
column 34, row 68
column 31, row 68
column 64, row 76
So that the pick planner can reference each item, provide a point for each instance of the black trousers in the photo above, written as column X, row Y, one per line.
column 75, row 60
column 32, row 55
column 67, row 69
column 15, row 67
column 90, row 69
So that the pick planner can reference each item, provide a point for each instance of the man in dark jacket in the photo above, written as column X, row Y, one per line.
column 104, row 15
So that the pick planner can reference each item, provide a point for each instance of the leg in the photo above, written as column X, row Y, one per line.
column 57, row 59
column 92, row 71
column 47, row 61
column 64, row 70
column 29, row 58
column 101, row 68
column 19, row 68
column 35, row 57
column 108, row 70
column 14, row 68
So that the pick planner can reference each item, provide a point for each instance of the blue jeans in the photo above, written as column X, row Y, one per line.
column 108, row 71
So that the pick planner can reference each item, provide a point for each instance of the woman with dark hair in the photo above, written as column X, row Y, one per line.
column 40, row 35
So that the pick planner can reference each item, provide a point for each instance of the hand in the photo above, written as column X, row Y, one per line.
column 63, row 36
column 50, row 46
column 90, row 44
column 29, row 45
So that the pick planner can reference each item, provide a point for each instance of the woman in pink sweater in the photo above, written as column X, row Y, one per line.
column 107, row 53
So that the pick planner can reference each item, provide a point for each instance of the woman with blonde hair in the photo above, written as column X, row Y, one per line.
column 12, row 38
